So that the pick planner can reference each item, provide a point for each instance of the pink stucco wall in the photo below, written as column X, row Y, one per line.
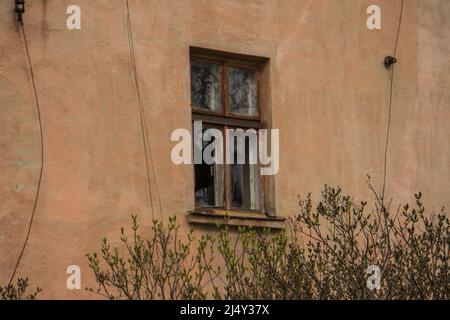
column 329, row 94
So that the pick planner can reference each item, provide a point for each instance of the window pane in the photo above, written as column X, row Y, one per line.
column 242, row 91
column 245, row 183
column 209, row 184
column 205, row 85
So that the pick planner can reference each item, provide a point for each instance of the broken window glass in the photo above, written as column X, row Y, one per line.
column 209, row 184
column 242, row 91
column 205, row 85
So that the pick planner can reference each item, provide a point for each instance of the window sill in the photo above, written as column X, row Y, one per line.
column 235, row 219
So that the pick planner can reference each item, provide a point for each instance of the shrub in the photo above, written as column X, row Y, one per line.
column 325, row 254
column 411, row 249
column 159, row 268
column 18, row 291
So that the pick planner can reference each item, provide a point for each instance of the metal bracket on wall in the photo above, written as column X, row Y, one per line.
column 389, row 60
column 19, row 9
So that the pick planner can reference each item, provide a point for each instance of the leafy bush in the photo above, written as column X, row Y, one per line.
column 325, row 254
column 18, row 291
column 159, row 268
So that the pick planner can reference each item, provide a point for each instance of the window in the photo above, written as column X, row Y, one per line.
column 226, row 94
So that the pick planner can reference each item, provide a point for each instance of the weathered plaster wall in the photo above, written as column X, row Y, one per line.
column 329, row 94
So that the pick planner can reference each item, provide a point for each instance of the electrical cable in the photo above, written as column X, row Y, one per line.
column 143, row 129
column 143, row 122
column 390, row 103
column 42, row 156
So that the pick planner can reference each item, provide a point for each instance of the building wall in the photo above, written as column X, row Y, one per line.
column 329, row 95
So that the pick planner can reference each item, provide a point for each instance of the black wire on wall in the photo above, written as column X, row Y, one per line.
column 391, row 84
column 143, row 122
column 144, row 131
column 38, row 189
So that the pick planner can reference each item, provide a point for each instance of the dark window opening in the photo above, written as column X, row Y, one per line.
column 209, row 183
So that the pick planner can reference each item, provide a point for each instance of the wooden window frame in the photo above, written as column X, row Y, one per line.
column 226, row 119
